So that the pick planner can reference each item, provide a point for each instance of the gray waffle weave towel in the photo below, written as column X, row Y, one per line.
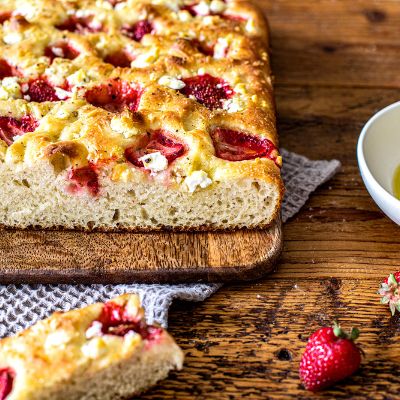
column 23, row 305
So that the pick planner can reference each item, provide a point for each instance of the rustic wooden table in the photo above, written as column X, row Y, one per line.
column 336, row 63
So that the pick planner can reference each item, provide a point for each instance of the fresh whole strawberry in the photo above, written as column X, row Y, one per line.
column 389, row 291
column 330, row 356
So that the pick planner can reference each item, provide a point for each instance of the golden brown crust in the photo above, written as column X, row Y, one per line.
column 73, row 132
column 53, row 355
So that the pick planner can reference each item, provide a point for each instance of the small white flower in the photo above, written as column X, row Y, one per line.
column 155, row 162
column 197, row 178
column 171, row 82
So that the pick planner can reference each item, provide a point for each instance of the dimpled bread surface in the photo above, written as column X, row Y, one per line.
column 136, row 115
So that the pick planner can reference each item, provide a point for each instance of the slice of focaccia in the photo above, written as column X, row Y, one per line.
column 100, row 352
column 136, row 115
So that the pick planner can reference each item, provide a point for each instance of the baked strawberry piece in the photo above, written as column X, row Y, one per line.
column 82, row 25
column 10, row 128
column 157, row 142
column 115, row 96
column 6, row 382
column 84, row 178
column 103, row 351
column 234, row 145
column 121, row 58
column 207, row 90
column 330, row 356
column 137, row 30
column 61, row 49
column 6, row 69
column 39, row 90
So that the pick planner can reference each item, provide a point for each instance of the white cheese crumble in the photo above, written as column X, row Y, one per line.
column 62, row 94
column 56, row 339
column 94, row 348
column 250, row 26
column 233, row 105
column 197, row 178
column 10, row 89
column 221, row 48
column 12, row 38
column 145, row 59
column 201, row 71
column 78, row 78
column 94, row 330
column 202, row 8
column 184, row 16
column 124, row 126
column 171, row 82
column 155, row 162
column 217, row 6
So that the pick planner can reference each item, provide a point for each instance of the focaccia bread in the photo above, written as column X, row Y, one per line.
column 100, row 352
column 136, row 114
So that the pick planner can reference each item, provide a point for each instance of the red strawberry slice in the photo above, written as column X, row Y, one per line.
column 234, row 145
column 5, row 16
column 233, row 18
column 7, row 376
column 115, row 2
column 84, row 178
column 39, row 90
column 61, row 49
column 137, row 30
column 115, row 96
column 159, row 141
column 81, row 25
column 115, row 320
column 208, row 90
column 5, row 69
column 10, row 127
column 121, row 59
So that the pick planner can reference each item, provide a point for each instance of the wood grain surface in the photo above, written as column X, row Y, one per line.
column 96, row 257
column 336, row 63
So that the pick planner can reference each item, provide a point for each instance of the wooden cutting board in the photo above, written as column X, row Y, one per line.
column 78, row 257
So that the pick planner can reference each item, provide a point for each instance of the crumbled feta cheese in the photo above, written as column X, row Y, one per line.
column 124, row 125
column 29, row 11
column 171, row 82
column 59, row 70
column 10, row 89
column 62, row 94
column 201, row 71
column 208, row 20
column 197, row 178
column 145, row 59
column 221, row 48
column 233, row 105
column 184, row 16
column 12, row 38
column 217, row 6
column 58, row 51
column 94, row 348
column 94, row 330
column 155, row 162
column 78, row 78
column 250, row 26
column 202, row 8
column 240, row 88
column 56, row 339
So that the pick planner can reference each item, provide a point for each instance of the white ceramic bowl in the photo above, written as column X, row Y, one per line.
column 378, row 153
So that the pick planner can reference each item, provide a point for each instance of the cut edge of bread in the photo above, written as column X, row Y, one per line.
column 37, row 197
